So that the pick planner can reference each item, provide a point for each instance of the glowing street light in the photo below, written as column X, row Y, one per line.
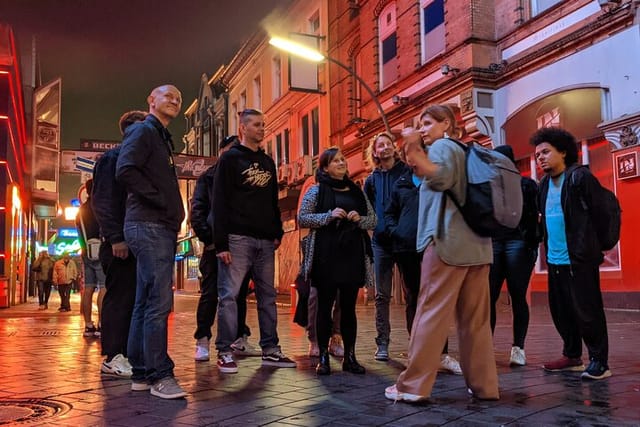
column 313, row 55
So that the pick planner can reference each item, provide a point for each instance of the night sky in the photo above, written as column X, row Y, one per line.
column 110, row 53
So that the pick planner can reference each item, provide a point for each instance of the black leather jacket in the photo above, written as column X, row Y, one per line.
column 577, row 201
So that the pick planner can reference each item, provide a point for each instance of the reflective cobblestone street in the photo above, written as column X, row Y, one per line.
column 51, row 376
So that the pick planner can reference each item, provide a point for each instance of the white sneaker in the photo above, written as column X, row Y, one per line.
column 202, row 350
column 314, row 350
column 450, row 364
column 392, row 393
column 335, row 346
column 517, row 356
column 242, row 347
column 118, row 366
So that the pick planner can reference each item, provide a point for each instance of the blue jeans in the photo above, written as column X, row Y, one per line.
column 255, row 256
column 383, row 270
column 513, row 261
column 154, row 247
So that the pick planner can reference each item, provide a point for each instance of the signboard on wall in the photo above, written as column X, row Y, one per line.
column 627, row 165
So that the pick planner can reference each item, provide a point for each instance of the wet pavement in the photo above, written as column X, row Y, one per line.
column 50, row 375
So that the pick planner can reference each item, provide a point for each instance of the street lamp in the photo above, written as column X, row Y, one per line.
column 313, row 55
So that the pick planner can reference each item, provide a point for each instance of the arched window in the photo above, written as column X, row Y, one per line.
column 388, row 48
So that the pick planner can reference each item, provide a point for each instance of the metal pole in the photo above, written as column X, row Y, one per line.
column 368, row 89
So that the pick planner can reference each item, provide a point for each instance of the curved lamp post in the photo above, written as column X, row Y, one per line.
column 313, row 55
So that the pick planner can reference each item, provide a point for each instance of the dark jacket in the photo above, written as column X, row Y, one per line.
column 201, row 216
column 91, row 226
column 246, row 181
column 401, row 214
column 108, row 197
column 146, row 169
column 582, row 242
column 528, row 229
column 378, row 187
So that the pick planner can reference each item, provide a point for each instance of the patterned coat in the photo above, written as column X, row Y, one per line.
column 309, row 218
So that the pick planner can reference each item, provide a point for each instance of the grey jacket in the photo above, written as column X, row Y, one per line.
column 309, row 218
column 439, row 220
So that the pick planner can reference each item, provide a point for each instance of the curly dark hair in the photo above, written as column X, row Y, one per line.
column 560, row 139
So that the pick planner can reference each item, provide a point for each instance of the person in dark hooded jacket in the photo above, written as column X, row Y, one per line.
column 514, row 254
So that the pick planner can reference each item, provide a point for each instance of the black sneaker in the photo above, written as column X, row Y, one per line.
column 596, row 371
column 89, row 331
column 277, row 359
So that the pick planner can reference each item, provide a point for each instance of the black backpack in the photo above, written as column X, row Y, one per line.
column 607, row 218
column 493, row 198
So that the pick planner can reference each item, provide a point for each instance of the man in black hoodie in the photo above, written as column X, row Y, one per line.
column 247, row 231
column 378, row 187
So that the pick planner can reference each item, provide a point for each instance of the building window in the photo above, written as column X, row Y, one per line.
column 276, row 78
column 432, row 25
column 539, row 6
column 388, row 46
column 310, row 133
column 257, row 93
column 234, row 118
column 314, row 23
column 281, row 149
column 355, row 90
column 243, row 100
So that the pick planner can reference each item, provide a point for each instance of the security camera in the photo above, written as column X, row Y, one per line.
column 446, row 69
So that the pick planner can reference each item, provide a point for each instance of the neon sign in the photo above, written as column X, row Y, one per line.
column 68, row 232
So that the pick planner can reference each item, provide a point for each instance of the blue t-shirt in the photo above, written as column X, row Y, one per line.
column 557, row 253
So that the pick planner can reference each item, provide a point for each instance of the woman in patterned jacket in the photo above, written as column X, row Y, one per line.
column 339, row 252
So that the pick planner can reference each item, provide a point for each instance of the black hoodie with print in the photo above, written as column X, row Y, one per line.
column 246, row 192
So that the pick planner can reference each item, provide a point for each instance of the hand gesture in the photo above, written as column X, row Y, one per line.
column 338, row 213
column 225, row 257
column 353, row 216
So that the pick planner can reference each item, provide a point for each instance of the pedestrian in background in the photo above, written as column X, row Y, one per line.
column 401, row 222
column 109, row 206
column 43, row 269
column 387, row 169
column 65, row 273
column 247, row 231
column 89, row 236
column 455, row 269
column 514, row 254
column 154, row 214
column 568, row 205
column 201, row 218
column 339, row 254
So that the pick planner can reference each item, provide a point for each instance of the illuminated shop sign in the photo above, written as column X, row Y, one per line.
column 68, row 232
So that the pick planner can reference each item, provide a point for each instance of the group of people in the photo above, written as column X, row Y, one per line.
column 448, row 271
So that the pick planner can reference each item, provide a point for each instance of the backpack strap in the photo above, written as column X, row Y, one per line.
column 449, row 193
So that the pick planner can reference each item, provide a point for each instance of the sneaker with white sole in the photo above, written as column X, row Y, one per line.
column 392, row 393
column 382, row 353
column 314, row 350
column 167, row 388
column 596, row 371
column 242, row 347
column 518, row 357
column 226, row 364
column 140, row 385
column 277, row 359
column 450, row 365
column 202, row 350
column 335, row 346
column 118, row 366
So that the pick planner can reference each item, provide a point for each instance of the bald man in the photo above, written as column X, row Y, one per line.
column 153, row 216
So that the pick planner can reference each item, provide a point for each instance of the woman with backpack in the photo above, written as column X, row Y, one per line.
column 454, row 279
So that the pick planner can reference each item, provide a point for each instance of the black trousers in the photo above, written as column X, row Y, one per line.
column 575, row 301
column 409, row 264
column 208, row 303
column 347, row 298
column 65, row 296
column 44, row 290
column 117, row 305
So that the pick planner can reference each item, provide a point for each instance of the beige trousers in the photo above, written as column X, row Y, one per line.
column 447, row 291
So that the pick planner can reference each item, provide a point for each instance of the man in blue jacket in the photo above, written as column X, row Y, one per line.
column 154, row 213
column 378, row 187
